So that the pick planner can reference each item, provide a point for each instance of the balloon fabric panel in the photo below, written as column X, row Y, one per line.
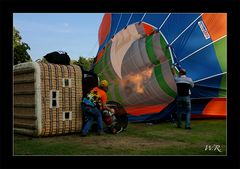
column 137, row 61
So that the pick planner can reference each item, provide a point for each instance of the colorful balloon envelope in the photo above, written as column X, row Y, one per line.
column 136, row 51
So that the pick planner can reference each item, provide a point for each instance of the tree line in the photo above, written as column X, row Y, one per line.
column 21, row 55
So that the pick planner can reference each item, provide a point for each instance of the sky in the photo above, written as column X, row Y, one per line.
column 74, row 33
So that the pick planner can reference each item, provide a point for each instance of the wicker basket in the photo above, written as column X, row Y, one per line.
column 47, row 99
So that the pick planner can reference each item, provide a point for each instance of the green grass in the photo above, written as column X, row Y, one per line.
column 139, row 139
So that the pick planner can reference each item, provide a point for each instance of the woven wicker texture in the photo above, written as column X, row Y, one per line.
column 68, row 99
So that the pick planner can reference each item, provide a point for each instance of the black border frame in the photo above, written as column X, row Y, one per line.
column 8, row 7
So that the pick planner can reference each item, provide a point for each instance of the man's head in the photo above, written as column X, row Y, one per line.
column 104, row 85
column 182, row 72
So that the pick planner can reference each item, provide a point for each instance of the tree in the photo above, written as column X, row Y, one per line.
column 85, row 63
column 20, row 48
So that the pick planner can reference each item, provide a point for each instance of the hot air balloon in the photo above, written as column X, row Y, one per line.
column 136, row 51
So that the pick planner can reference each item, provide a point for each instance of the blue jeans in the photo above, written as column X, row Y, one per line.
column 183, row 106
column 91, row 114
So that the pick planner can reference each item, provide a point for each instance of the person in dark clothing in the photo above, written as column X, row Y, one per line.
column 184, row 84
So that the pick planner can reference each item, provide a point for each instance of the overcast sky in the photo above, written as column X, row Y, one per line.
column 75, row 33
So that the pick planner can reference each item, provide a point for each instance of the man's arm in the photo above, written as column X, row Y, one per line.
column 107, row 108
column 192, row 84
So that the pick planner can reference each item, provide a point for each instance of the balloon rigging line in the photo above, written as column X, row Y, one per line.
column 127, row 22
column 147, row 42
column 164, row 21
column 146, row 45
column 186, row 29
column 209, row 87
column 143, row 17
column 165, row 40
column 154, row 26
column 135, row 53
column 172, row 51
column 116, row 29
column 207, row 98
column 167, row 43
column 151, row 25
column 202, row 48
column 209, row 77
column 118, row 24
column 129, row 19
column 185, row 39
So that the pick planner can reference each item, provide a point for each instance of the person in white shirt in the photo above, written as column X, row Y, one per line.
column 184, row 84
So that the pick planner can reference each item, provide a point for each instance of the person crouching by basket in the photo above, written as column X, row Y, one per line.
column 92, row 104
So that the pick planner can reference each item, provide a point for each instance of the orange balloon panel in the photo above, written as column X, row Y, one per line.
column 145, row 110
column 216, row 24
column 217, row 106
column 148, row 29
column 104, row 28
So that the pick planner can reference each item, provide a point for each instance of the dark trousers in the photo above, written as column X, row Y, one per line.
column 184, row 106
column 92, row 113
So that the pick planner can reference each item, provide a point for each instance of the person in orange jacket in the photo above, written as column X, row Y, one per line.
column 93, row 104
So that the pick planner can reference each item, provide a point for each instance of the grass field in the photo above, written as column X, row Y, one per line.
column 138, row 139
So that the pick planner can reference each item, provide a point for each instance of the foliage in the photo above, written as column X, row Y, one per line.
column 20, row 48
column 85, row 63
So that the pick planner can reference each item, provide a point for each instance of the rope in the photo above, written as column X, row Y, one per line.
column 57, row 88
column 51, row 109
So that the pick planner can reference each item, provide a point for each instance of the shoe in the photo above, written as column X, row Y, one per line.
column 188, row 128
